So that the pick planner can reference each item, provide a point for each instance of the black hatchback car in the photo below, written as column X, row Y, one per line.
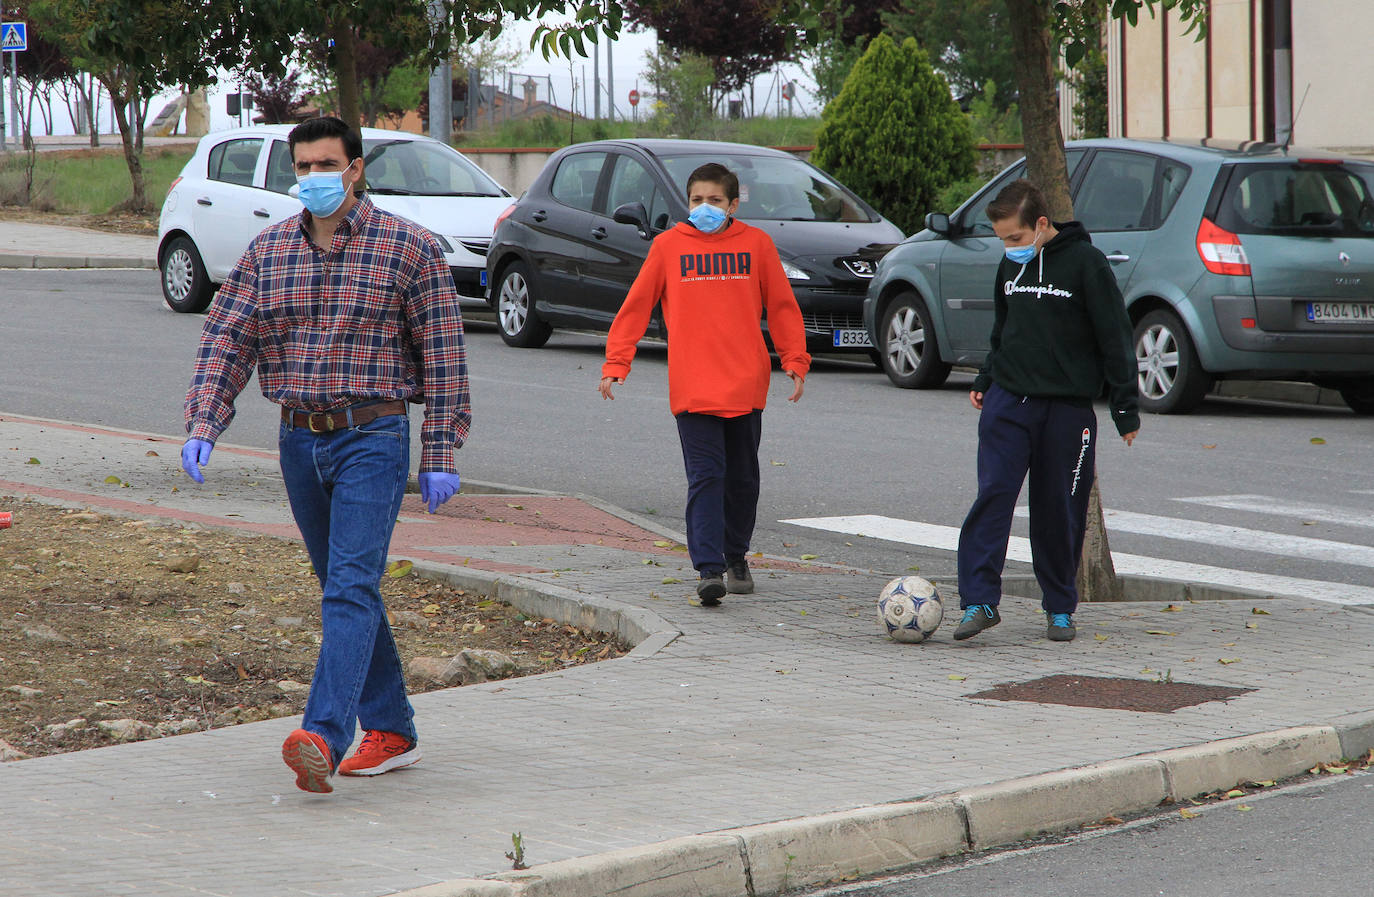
column 565, row 254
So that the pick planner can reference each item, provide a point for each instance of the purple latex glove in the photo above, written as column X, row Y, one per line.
column 195, row 454
column 437, row 488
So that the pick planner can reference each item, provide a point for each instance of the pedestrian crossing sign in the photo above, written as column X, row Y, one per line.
column 14, row 37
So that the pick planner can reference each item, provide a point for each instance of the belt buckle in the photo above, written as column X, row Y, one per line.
column 328, row 420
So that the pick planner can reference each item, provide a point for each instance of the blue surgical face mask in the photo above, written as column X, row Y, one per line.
column 707, row 218
column 1022, row 254
column 322, row 192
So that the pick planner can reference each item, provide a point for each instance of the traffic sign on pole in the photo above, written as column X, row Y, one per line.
column 634, row 98
column 14, row 37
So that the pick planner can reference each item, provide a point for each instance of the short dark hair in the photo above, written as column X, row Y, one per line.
column 324, row 127
column 715, row 173
column 1019, row 198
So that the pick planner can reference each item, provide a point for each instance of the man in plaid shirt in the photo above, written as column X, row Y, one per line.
column 348, row 312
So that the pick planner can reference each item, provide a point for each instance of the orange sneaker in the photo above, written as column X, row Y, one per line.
column 308, row 756
column 380, row 752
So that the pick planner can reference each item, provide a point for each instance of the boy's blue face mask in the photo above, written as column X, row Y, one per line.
column 1022, row 254
column 707, row 218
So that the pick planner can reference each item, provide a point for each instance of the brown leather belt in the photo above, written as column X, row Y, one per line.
column 328, row 421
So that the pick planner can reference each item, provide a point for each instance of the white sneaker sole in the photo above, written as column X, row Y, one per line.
column 409, row 758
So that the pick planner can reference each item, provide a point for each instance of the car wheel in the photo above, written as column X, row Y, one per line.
column 185, row 285
column 909, row 353
column 1358, row 394
column 1168, row 374
column 519, row 323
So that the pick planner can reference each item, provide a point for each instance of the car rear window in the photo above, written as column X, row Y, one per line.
column 1300, row 199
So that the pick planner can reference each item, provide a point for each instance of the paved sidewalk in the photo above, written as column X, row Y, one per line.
column 784, row 705
column 25, row 244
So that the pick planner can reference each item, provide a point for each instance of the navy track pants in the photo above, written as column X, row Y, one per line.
column 1055, row 443
column 721, row 457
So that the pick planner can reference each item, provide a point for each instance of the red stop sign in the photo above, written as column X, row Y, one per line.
column 634, row 98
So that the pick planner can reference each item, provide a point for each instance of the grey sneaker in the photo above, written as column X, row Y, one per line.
column 711, row 589
column 976, row 619
column 1061, row 628
column 738, row 580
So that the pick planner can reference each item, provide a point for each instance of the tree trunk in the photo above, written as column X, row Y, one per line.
column 346, row 73
column 1035, row 51
column 133, row 157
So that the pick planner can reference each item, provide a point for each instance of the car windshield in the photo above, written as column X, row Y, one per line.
column 780, row 188
column 422, row 168
column 1302, row 199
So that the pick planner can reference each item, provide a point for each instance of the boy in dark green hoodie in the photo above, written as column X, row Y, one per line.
column 1060, row 330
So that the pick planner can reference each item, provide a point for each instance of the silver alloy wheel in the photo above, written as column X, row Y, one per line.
column 178, row 273
column 513, row 306
column 1156, row 360
column 906, row 340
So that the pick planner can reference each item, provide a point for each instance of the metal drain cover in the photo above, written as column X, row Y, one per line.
column 1107, row 693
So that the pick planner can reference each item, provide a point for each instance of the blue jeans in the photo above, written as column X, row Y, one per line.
column 721, row 457
column 345, row 489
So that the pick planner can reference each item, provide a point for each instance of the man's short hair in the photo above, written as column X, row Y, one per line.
column 715, row 173
column 1019, row 198
column 322, row 128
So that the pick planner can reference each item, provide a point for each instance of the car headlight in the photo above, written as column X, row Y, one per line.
column 443, row 241
column 793, row 272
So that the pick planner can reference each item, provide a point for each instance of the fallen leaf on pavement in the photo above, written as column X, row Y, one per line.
column 669, row 580
column 1171, row 608
column 957, row 678
column 1101, row 638
column 663, row 543
column 1317, row 440
column 1159, row 632
column 1228, row 660
column 808, row 557
column 113, row 480
column 1244, row 808
column 1256, row 610
column 397, row 569
column 1188, row 814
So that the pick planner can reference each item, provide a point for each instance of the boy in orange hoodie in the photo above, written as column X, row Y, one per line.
column 715, row 276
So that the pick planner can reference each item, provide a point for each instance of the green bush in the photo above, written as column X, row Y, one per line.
column 894, row 134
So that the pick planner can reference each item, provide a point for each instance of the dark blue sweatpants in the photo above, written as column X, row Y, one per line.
column 721, row 456
column 1055, row 442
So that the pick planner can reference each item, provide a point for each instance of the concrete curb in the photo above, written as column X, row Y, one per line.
column 74, row 261
column 645, row 630
column 773, row 858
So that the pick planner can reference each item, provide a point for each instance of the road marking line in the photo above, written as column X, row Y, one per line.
column 1234, row 537
column 946, row 538
column 1267, row 504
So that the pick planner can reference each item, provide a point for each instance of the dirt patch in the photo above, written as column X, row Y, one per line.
column 112, row 222
column 106, row 619
column 1108, row 693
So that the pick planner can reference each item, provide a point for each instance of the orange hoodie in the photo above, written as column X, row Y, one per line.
column 714, row 289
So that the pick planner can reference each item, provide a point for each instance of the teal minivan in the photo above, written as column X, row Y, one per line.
column 1245, row 261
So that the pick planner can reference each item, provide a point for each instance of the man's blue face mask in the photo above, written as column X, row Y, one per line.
column 322, row 192
column 707, row 218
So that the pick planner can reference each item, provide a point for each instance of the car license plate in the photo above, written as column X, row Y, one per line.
column 1341, row 312
column 848, row 338
column 482, row 277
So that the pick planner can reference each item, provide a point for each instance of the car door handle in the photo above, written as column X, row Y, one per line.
column 1118, row 257
column 204, row 202
column 262, row 213
column 599, row 233
column 540, row 215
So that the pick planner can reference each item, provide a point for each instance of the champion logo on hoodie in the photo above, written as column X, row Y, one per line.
column 1040, row 290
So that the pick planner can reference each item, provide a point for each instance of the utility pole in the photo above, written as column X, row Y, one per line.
column 596, row 78
column 441, row 85
column 610, row 80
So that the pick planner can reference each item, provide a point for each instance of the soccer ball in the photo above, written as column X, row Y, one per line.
column 909, row 609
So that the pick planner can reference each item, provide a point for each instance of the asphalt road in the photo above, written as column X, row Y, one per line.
column 101, row 347
column 1308, row 839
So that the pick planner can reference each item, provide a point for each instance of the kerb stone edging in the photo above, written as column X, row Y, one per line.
column 645, row 630
column 769, row 859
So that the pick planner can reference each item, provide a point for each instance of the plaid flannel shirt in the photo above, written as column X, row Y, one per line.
column 375, row 317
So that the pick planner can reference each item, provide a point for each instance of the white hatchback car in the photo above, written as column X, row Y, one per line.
column 237, row 183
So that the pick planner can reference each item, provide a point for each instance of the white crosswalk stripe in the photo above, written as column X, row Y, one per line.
column 1267, row 504
column 946, row 538
column 1235, row 537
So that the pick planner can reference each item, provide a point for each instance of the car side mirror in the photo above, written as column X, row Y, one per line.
column 938, row 222
column 633, row 213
